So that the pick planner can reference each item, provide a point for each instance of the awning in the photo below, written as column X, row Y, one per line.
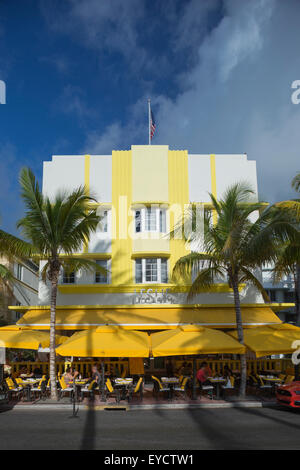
column 148, row 318
column 271, row 339
column 107, row 341
column 12, row 336
column 193, row 339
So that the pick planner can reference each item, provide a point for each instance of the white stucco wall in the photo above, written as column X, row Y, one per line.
column 64, row 172
column 199, row 177
column 230, row 169
column 101, row 177
column 150, row 182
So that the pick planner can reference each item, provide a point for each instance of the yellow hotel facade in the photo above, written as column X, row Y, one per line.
column 141, row 193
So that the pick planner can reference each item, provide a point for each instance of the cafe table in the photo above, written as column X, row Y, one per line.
column 218, row 381
column 28, row 384
column 124, row 384
column 273, row 380
column 171, row 381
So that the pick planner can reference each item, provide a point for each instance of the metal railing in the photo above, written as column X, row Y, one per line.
column 121, row 367
column 253, row 365
column 83, row 367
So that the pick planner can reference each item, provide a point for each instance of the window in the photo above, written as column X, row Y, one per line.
column 289, row 296
column 272, row 294
column 150, row 219
column 138, row 271
column 104, row 222
column 19, row 274
column 138, row 221
column 69, row 277
column 162, row 221
column 164, row 270
column 100, row 277
column 150, row 270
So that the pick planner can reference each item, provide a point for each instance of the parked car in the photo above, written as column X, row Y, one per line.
column 289, row 394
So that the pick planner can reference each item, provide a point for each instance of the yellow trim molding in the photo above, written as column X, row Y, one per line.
column 274, row 306
column 121, row 201
column 131, row 288
column 150, row 254
column 149, row 203
column 88, row 255
column 178, row 182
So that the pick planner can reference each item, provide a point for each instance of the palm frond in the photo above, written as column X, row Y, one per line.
column 73, row 264
column 206, row 278
column 59, row 225
column 296, row 182
column 247, row 275
column 187, row 264
column 14, row 246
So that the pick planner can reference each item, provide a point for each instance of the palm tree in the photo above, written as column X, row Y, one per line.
column 288, row 259
column 287, row 263
column 231, row 249
column 57, row 229
column 11, row 247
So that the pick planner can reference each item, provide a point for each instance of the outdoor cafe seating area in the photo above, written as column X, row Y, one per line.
column 173, row 383
column 113, row 364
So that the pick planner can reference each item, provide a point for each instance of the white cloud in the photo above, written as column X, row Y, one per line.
column 72, row 101
column 105, row 26
column 237, row 97
column 234, row 95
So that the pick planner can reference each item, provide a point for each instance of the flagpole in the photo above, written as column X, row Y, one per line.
column 149, row 122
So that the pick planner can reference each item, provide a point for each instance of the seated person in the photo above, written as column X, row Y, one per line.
column 227, row 372
column 96, row 375
column 38, row 373
column 70, row 375
column 203, row 373
column 169, row 368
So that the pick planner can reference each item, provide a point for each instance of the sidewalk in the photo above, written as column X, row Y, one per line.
column 149, row 403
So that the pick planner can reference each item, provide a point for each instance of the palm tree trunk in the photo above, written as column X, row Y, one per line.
column 240, row 332
column 54, row 280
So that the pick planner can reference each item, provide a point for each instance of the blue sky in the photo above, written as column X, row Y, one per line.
column 78, row 75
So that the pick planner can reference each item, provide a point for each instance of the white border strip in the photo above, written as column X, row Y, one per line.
column 146, row 324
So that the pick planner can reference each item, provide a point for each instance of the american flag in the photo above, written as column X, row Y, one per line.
column 152, row 125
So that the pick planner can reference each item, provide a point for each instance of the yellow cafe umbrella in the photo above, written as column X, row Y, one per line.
column 191, row 340
column 270, row 339
column 106, row 341
column 12, row 336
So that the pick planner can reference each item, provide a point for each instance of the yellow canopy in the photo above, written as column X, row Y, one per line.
column 191, row 339
column 106, row 341
column 271, row 339
column 147, row 317
column 12, row 336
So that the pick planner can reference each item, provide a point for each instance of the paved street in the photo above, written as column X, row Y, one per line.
column 159, row 429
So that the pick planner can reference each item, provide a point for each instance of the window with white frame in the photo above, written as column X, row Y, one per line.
column 68, row 277
column 151, row 270
column 100, row 276
column 104, row 221
column 19, row 273
column 150, row 219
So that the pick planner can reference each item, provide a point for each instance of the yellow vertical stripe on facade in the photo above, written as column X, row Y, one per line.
column 121, row 263
column 213, row 183
column 178, row 182
column 87, row 165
